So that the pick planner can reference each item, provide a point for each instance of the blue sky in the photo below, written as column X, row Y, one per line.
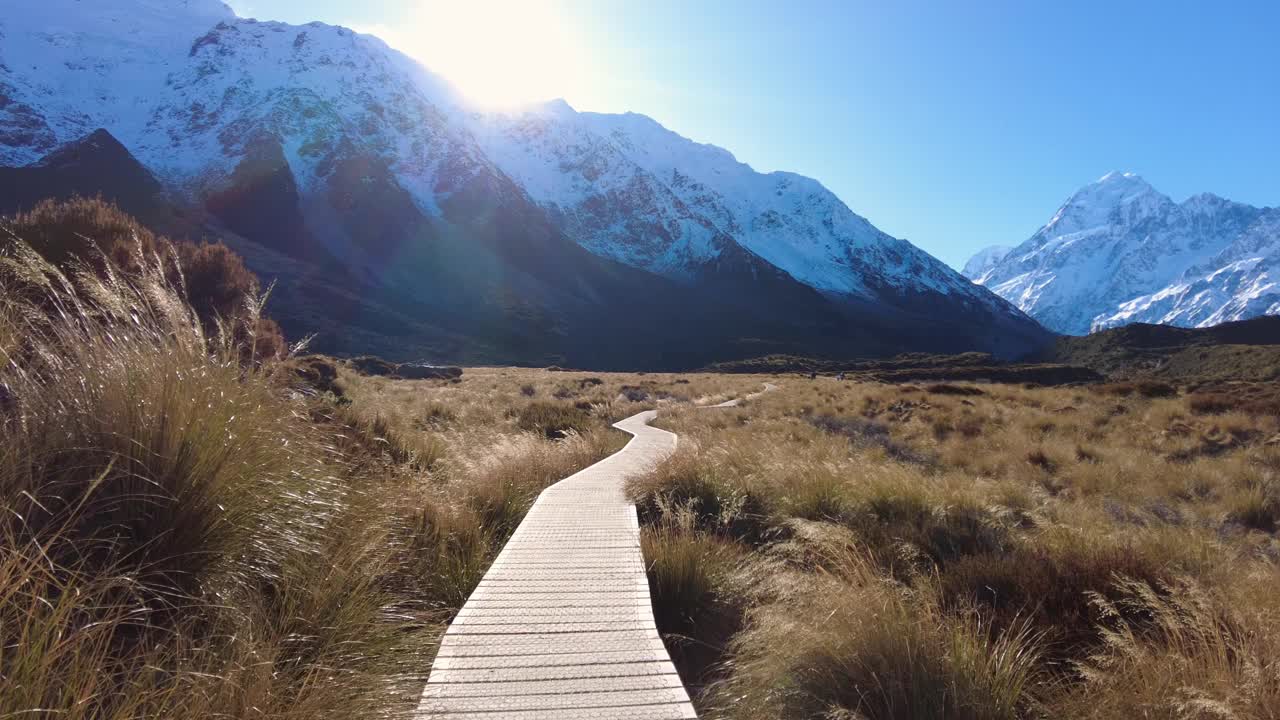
column 954, row 125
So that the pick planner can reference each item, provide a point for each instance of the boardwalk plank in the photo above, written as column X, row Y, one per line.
column 561, row 626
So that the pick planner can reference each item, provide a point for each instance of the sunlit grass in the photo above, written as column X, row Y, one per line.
column 977, row 551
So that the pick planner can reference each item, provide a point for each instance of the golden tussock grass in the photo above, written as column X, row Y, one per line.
column 191, row 528
column 978, row 551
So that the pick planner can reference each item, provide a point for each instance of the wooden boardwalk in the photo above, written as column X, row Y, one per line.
column 768, row 387
column 562, row 625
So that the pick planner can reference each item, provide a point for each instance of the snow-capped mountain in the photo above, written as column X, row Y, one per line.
column 984, row 261
column 1118, row 251
column 601, row 173
column 319, row 142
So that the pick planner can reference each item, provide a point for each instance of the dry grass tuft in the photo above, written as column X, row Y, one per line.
column 178, row 540
column 186, row 534
column 856, row 646
column 1024, row 552
column 555, row 420
column 689, row 572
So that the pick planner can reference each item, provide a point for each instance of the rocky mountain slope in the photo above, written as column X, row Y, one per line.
column 521, row 237
column 1118, row 251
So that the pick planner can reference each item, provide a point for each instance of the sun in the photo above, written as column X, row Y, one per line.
column 499, row 54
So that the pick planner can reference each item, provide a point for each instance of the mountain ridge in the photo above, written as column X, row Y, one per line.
column 328, row 146
column 1119, row 251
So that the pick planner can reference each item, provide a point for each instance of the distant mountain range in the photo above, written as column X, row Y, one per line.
column 1120, row 252
column 401, row 221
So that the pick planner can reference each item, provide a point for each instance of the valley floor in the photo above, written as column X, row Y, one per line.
column 192, row 530
column 857, row 550
column 842, row 549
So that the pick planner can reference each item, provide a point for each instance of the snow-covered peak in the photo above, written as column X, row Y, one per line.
column 983, row 261
column 1119, row 176
column 68, row 67
column 1208, row 204
column 163, row 23
column 558, row 107
column 629, row 188
column 1119, row 251
column 1114, row 188
column 1122, row 196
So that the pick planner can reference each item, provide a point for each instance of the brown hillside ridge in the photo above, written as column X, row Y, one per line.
column 376, row 366
column 918, row 367
column 1244, row 350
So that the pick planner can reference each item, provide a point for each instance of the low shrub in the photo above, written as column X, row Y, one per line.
column 948, row 389
column 436, row 416
column 634, row 394
column 261, row 340
column 554, row 420
column 217, row 282
column 66, row 231
column 1143, row 388
column 421, row 371
column 711, row 501
column 319, row 374
column 213, row 278
column 1211, row 404
column 865, row 433
column 372, row 365
column 855, row 647
column 1051, row 585
column 1253, row 399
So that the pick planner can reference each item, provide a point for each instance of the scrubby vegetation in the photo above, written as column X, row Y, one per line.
column 917, row 367
column 197, row 522
column 193, row 527
column 1244, row 350
column 893, row 551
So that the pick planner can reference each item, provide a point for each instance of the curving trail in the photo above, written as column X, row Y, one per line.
column 738, row 401
column 561, row 626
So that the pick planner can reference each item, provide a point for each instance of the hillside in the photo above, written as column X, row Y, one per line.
column 919, row 367
column 1244, row 350
column 401, row 221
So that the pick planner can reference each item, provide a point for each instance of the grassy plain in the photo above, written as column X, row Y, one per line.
column 848, row 550
column 192, row 527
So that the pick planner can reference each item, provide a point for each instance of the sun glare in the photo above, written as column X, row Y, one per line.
column 498, row 53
